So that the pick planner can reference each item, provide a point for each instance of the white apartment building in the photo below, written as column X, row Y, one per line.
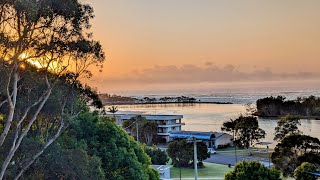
column 167, row 124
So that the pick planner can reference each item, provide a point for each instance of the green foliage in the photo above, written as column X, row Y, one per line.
column 278, row 106
column 301, row 172
column 1, row 122
column 295, row 149
column 158, row 156
column 58, row 162
column 246, row 130
column 121, row 156
column 147, row 129
column 286, row 126
column 182, row 152
column 92, row 148
column 252, row 171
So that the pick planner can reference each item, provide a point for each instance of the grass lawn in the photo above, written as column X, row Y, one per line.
column 210, row 171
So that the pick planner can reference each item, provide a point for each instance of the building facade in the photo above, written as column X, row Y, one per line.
column 167, row 124
column 213, row 140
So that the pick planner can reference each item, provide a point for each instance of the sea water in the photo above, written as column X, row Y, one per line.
column 210, row 117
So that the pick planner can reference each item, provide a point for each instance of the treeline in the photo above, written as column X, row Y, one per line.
column 279, row 106
column 117, row 99
column 294, row 155
column 66, row 140
column 47, row 130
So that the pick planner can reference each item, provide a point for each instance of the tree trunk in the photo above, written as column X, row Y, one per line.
column 40, row 152
column 12, row 105
column 15, row 145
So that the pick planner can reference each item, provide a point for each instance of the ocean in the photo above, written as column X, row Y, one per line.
column 210, row 117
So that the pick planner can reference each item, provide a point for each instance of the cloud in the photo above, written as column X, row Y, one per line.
column 190, row 73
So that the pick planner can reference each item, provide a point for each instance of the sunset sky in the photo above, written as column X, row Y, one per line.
column 152, row 43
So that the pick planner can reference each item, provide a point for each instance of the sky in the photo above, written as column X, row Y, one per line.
column 167, row 44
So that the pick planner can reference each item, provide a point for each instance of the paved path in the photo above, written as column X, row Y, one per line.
column 230, row 159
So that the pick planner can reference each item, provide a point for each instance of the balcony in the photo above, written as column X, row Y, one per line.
column 170, row 125
column 163, row 133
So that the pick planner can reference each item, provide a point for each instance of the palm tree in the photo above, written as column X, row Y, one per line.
column 113, row 109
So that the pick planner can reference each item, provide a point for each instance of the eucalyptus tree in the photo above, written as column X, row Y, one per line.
column 53, row 36
column 245, row 130
column 295, row 149
column 286, row 126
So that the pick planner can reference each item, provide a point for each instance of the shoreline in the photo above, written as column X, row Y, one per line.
column 164, row 103
column 301, row 117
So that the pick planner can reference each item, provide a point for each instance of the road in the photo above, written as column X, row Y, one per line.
column 230, row 159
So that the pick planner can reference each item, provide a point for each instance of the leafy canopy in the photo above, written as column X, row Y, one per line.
column 286, row 126
column 295, row 149
column 246, row 130
column 252, row 171
column 181, row 152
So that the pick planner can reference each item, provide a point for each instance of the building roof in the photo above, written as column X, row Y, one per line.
column 196, row 134
column 192, row 134
column 316, row 174
column 147, row 116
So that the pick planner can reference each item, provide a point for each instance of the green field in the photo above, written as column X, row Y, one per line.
column 215, row 171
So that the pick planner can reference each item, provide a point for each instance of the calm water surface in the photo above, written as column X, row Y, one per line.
column 210, row 117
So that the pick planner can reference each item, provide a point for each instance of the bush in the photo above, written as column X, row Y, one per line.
column 300, row 173
column 252, row 171
column 157, row 156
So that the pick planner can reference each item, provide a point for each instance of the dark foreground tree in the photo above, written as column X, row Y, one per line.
column 65, row 159
column 53, row 119
column 158, row 156
column 295, row 149
column 286, row 126
column 52, row 36
column 252, row 171
column 302, row 171
column 121, row 156
column 181, row 152
column 91, row 148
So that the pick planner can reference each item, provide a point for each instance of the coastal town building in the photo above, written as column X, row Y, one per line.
column 211, row 139
column 166, row 123
column 170, row 128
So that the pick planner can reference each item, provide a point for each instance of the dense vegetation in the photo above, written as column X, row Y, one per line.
column 47, row 130
column 279, row 106
column 302, row 171
column 252, row 171
column 89, row 147
column 181, row 152
column 294, row 149
column 158, row 156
